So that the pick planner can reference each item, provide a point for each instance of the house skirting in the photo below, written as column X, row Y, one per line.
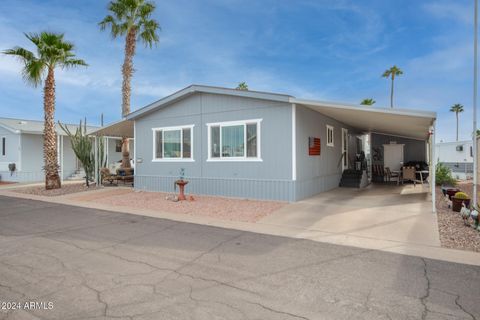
column 282, row 190
column 29, row 176
column 305, row 188
column 22, row 176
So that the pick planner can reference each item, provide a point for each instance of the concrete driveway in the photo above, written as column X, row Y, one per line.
column 93, row 264
column 400, row 214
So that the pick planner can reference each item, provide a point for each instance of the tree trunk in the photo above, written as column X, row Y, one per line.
column 456, row 114
column 52, row 178
column 127, row 72
column 391, row 92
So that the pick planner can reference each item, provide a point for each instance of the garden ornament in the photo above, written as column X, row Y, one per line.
column 465, row 213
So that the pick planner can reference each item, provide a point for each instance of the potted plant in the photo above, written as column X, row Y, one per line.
column 451, row 192
column 458, row 199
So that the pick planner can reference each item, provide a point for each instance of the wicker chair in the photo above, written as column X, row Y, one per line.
column 125, row 175
column 107, row 176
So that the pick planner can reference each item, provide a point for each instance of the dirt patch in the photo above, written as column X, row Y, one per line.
column 214, row 207
column 453, row 233
column 65, row 189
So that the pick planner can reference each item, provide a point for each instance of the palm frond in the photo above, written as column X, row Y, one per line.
column 71, row 63
column 34, row 71
column 21, row 53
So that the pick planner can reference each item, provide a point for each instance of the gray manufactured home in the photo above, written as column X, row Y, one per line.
column 262, row 145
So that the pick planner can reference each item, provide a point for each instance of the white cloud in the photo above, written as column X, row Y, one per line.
column 452, row 10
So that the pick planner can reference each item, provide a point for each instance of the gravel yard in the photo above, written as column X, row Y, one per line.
column 215, row 207
column 69, row 188
column 453, row 233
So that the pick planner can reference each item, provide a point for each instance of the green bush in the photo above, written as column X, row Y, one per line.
column 461, row 195
column 443, row 175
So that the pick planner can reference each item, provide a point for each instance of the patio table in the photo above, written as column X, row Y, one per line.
column 422, row 172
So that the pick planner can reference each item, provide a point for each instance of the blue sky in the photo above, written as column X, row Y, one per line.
column 317, row 49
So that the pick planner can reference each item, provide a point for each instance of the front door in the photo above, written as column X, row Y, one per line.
column 344, row 149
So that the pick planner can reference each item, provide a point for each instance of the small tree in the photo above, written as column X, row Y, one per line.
column 368, row 102
column 443, row 175
column 242, row 86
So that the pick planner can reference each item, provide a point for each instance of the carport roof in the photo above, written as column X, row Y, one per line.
column 400, row 122
column 121, row 128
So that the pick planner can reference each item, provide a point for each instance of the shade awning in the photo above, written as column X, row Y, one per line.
column 400, row 122
column 122, row 128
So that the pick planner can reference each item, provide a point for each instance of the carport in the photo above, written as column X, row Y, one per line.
column 119, row 129
column 401, row 123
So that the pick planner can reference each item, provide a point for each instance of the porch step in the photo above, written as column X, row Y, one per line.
column 351, row 178
column 78, row 175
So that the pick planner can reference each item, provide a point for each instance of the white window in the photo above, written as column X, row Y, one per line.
column 173, row 143
column 330, row 136
column 234, row 141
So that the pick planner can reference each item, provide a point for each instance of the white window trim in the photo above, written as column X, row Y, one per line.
column 163, row 129
column 258, row 158
column 331, row 144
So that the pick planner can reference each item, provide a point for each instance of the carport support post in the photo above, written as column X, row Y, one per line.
column 433, row 167
column 95, row 153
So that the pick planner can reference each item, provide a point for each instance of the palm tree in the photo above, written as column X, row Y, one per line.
column 52, row 51
column 392, row 73
column 368, row 102
column 242, row 86
column 457, row 108
column 132, row 19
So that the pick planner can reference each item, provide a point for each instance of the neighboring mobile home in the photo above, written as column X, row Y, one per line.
column 263, row 145
column 21, row 144
column 458, row 156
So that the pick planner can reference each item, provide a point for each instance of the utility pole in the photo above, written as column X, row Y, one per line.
column 475, row 75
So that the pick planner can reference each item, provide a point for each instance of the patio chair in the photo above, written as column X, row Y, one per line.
column 125, row 175
column 408, row 174
column 389, row 174
column 107, row 176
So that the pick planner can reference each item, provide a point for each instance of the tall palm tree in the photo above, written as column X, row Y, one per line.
column 368, row 102
column 132, row 19
column 52, row 51
column 457, row 108
column 392, row 73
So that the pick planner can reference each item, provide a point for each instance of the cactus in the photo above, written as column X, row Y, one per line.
column 82, row 146
column 461, row 196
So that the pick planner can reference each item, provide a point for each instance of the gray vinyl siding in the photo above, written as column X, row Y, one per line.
column 11, row 148
column 12, row 153
column 317, row 174
column 268, row 179
column 32, row 153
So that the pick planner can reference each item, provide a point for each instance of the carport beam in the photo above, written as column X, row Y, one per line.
column 433, row 166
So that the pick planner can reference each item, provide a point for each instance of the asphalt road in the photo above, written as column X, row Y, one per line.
column 77, row 263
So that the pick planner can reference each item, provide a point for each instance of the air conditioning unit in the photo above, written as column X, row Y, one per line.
column 459, row 148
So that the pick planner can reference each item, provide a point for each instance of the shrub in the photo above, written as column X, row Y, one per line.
column 443, row 175
column 461, row 195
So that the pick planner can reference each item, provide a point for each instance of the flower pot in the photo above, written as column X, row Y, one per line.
column 457, row 204
column 451, row 192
